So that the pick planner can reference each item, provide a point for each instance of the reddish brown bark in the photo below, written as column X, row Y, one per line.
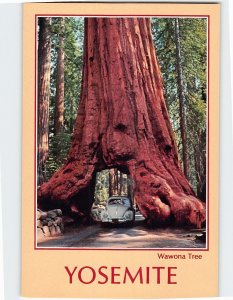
column 44, row 59
column 123, row 123
column 60, row 86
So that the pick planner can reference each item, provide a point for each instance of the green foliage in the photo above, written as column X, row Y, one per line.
column 102, row 187
column 73, row 49
column 59, row 146
column 73, row 68
column 193, row 32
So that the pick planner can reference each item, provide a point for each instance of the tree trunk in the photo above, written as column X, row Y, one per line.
column 182, row 100
column 60, row 85
column 130, row 188
column 112, row 182
column 200, row 166
column 44, row 60
column 125, row 184
column 121, row 183
column 123, row 123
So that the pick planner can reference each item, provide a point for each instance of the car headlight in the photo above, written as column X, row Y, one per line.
column 129, row 215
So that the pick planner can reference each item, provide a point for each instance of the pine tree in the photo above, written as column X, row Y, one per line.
column 60, row 81
column 44, row 58
column 193, row 48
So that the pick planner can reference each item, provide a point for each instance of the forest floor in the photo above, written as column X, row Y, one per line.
column 136, row 236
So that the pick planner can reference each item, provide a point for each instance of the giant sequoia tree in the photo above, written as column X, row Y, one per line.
column 123, row 123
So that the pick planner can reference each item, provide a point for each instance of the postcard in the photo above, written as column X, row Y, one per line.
column 120, row 150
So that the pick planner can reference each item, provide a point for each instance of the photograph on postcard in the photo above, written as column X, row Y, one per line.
column 121, row 131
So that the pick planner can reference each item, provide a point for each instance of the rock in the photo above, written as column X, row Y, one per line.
column 38, row 214
column 39, row 223
column 40, row 233
column 58, row 212
column 45, row 222
column 50, row 223
column 51, row 214
column 58, row 220
column 62, row 227
column 58, row 230
column 43, row 215
column 52, row 230
column 46, row 231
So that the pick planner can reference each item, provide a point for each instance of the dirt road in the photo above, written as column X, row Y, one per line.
column 137, row 236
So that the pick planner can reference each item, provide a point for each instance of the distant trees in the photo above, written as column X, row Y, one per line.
column 60, row 81
column 63, row 90
column 182, row 98
column 44, row 61
column 181, row 47
column 111, row 182
column 118, row 182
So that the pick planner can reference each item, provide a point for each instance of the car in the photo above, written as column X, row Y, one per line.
column 119, row 209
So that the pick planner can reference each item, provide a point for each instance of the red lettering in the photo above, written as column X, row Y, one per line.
column 70, row 274
column 93, row 274
column 158, row 273
column 147, row 275
column 113, row 275
column 170, row 275
column 103, row 275
column 127, row 272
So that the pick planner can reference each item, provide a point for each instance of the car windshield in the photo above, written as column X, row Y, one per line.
column 119, row 201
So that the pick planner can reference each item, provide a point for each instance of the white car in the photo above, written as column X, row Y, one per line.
column 119, row 209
